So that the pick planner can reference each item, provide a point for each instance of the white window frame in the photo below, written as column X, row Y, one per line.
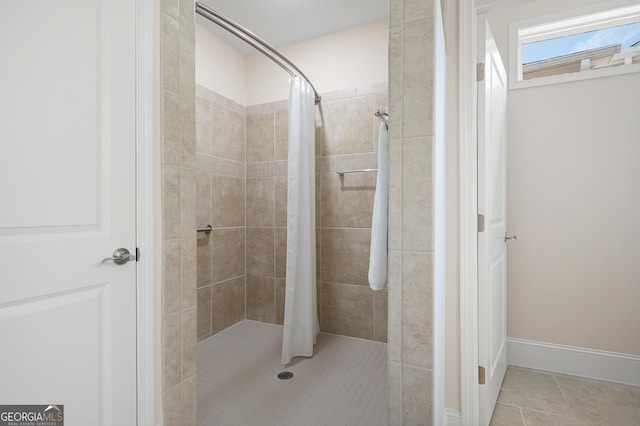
column 599, row 16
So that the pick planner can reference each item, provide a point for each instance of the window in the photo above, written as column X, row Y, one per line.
column 584, row 43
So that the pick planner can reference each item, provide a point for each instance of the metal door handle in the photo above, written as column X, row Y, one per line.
column 508, row 237
column 120, row 257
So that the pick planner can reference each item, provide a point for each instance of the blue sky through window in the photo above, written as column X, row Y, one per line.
column 551, row 48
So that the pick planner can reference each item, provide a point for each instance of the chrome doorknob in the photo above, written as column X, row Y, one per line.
column 508, row 237
column 120, row 257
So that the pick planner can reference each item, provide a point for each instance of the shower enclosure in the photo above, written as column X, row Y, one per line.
column 246, row 204
column 245, row 181
column 301, row 324
column 242, row 190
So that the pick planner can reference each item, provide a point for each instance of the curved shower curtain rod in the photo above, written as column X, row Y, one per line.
column 255, row 41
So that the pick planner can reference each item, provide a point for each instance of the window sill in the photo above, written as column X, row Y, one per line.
column 575, row 76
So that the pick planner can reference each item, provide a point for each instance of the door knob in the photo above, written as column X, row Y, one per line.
column 120, row 257
column 508, row 237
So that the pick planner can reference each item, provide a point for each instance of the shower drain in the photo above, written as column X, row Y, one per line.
column 285, row 375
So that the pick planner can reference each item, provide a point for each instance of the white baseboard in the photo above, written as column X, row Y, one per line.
column 451, row 417
column 591, row 363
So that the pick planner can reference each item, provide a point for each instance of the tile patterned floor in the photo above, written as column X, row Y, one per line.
column 344, row 383
column 538, row 398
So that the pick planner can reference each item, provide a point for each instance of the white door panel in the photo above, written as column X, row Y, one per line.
column 492, row 96
column 67, row 191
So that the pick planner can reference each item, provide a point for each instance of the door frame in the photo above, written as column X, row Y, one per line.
column 468, row 162
column 145, row 208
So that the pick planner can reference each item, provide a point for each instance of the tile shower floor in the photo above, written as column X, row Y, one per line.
column 344, row 383
column 538, row 398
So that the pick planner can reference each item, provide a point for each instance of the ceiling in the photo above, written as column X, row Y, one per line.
column 284, row 22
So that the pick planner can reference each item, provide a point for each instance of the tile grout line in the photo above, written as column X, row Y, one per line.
column 273, row 224
column 507, row 404
column 524, row 422
column 563, row 395
column 548, row 413
column 246, row 228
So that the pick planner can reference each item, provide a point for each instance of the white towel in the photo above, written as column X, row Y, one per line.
column 378, row 253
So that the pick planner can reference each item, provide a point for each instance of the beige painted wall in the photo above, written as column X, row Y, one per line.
column 346, row 59
column 219, row 67
column 350, row 58
column 574, row 202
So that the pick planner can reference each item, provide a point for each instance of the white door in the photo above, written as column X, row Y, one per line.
column 492, row 261
column 67, row 201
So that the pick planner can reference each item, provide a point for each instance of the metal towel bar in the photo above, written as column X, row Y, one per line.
column 343, row 172
column 206, row 229
column 381, row 113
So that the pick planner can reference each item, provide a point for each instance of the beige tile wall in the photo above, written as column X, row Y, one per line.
column 411, row 249
column 266, row 210
column 178, row 170
column 220, row 183
column 245, row 202
column 346, row 138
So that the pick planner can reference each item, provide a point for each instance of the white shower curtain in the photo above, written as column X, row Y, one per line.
column 300, row 310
